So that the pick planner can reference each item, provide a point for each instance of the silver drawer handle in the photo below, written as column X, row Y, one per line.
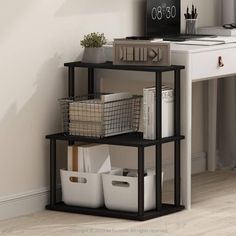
column 220, row 62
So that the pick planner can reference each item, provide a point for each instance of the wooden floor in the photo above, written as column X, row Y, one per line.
column 213, row 214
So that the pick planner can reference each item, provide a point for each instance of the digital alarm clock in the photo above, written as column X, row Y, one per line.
column 163, row 17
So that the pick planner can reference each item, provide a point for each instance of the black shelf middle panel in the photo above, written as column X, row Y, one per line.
column 134, row 139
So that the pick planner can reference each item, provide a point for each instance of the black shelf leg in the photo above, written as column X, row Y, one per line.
column 158, row 82
column 71, row 87
column 140, row 181
column 90, row 80
column 71, row 82
column 52, row 172
column 177, row 132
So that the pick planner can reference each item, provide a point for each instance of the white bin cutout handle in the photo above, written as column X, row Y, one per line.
column 120, row 184
column 79, row 180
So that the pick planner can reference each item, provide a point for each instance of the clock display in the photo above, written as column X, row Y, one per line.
column 163, row 17
column 163, row 11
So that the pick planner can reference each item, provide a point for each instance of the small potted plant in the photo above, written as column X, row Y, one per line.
column 93, row 52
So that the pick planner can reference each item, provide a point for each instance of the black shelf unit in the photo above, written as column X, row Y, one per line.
column 131, row 139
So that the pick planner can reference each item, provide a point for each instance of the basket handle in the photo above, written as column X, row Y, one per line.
column 78, row 180
column 122, row 184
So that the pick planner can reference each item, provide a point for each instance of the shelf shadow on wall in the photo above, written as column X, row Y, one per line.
column 27, row 126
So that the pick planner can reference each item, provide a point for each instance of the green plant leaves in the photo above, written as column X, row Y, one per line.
column 93, row 40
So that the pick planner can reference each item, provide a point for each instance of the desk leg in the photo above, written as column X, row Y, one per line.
column 212, row 123
column 186, row 130
column 177, row 127
column 53, row 172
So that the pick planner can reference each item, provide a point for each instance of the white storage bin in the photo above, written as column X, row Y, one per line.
column 87, row 192
column 121, row 192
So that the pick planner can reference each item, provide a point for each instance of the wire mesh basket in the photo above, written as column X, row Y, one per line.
column 89, row 115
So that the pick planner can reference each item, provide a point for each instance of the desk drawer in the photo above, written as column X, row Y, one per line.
column 208, row 64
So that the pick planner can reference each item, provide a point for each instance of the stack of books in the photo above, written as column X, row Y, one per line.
column 110, row 114
column 86, row 117
column 149, row 112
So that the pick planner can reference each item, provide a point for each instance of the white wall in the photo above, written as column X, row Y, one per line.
column 37, row 37
column 208, row 11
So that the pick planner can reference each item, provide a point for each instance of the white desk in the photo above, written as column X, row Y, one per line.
column 202, row 63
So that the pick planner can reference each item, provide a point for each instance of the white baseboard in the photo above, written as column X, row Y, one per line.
column 23, row 204
column 199, row 162
column 198, row 166
column 35, row 201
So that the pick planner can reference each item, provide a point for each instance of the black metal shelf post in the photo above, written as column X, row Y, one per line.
column 53, row 168
column 158, row 83
column 132, row 140
column 71, row 81
column 140, row 181
column 90, row 80
column 71, row 86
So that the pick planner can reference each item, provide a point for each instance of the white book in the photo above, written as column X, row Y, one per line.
column 145, row 113
column 153, row 113
column 96, row 158
column 149, row 122
column 167, row 112
column 69, row 158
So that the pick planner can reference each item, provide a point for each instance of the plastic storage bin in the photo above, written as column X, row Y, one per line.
column 82, row 189
column 121, row 192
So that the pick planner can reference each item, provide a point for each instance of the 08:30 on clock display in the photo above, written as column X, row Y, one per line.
column 163, row 17
column 163, row 10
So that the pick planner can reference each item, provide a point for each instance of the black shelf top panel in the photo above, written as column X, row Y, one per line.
column 109, row 65
column 131, row 139
column 166, row 209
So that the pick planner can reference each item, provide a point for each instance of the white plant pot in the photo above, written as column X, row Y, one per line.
column 93, row 55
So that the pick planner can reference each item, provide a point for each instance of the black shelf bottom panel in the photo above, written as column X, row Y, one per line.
column 166, row 210
column 134, row 139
